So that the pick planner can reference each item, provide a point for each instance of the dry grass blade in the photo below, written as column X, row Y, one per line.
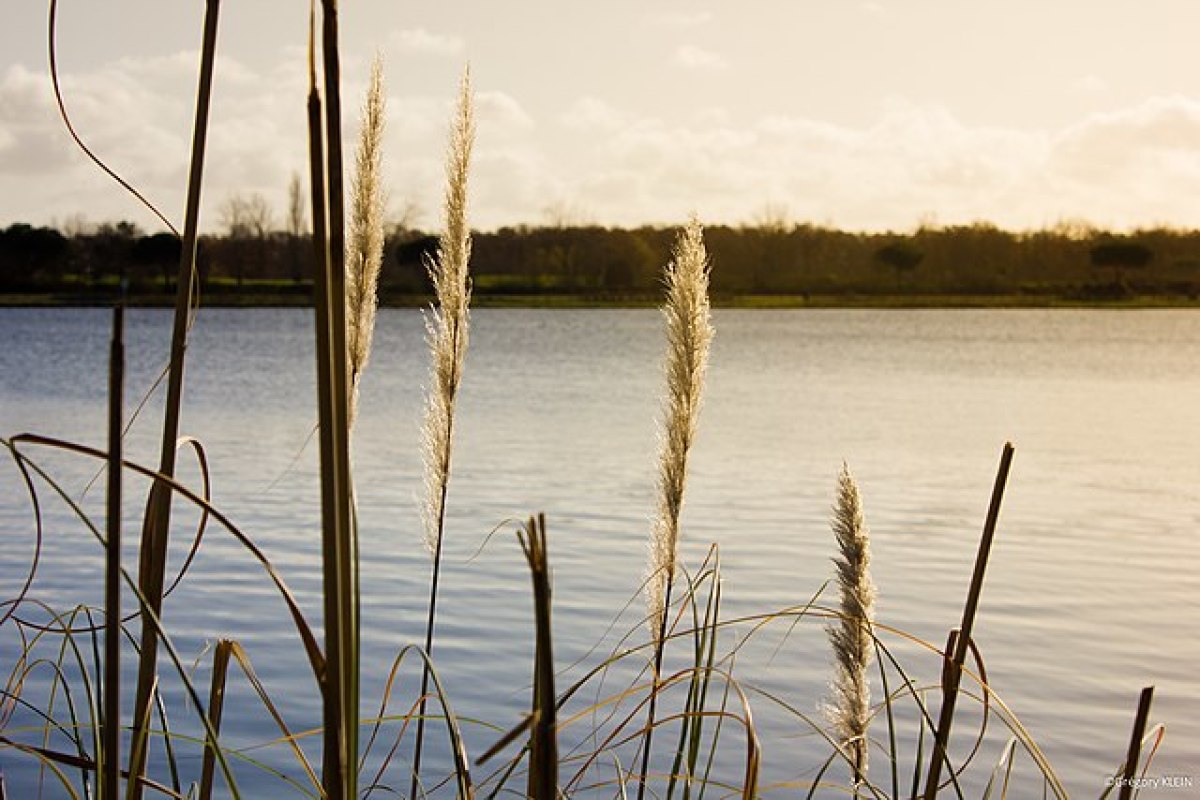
column 158, row 506
column 316, row 659
column 851, row 637
column 66, row 118
column 447, row 332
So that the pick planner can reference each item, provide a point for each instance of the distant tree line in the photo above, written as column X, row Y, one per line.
column 254, row 255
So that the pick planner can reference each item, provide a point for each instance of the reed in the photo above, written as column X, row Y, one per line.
column 1135, row 743
column 216, row 709
column 447, row 331
column 689, row 334
column 543, row 740
column 851, row 637
column 157, row 521
column 79, row 704
column 960, row 640
column 364, row 246
column 339, row 544
column 110, row 767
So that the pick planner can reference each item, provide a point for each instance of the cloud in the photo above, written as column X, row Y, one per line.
column 680, row 19
column 419, row 41
column 500, row 112
column 1136, row 167
column 874, row 10
column 594, row 114
column 692, row 57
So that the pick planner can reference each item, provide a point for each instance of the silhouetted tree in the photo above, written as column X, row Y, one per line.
column 901, row 256
column 412, row 256
column 1120, row 256
column 158, row 253
column 31, row 257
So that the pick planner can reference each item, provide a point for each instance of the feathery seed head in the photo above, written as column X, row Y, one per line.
column 364, row 246
column 850, row 636
column 447, row 323
column 689, row 333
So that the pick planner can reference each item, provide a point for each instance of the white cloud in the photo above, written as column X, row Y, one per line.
column 500, row 112
column 1140, row 166
column 592, row 113
column 1135, row 166
column 422, row 42
column 690, row 56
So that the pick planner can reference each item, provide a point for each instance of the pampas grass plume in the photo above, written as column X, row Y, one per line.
column 447, row 325
column 364, row 246
column 853, row 644
column 689, row 333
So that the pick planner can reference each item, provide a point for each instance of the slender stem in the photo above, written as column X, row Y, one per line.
column 543, row 749
column 1135, row 743
column 157, row 520
column 216, row 709
column 953, row 667
column 339, row 376
column 331, row 681
column 339, row 549
column 429, row 623
column 658, row 659
column 111, row 705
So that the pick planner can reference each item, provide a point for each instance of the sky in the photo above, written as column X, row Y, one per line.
column 875, row 115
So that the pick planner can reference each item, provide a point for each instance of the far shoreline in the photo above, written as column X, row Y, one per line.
column 586, row 301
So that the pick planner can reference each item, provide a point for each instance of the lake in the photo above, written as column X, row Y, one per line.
column 1093, row 590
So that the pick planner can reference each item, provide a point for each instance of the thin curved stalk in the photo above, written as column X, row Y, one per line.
column 158, row 505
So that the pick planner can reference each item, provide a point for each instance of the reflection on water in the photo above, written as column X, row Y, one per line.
column 1092, row 591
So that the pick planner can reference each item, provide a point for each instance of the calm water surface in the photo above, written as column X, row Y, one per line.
column 1093, row 589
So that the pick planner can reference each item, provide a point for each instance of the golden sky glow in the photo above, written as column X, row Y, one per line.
column 859, row 114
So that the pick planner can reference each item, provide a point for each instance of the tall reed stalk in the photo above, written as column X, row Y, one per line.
column 1135, row 743
column 689, row 334
column 447, row 331
column 339, row 546
column 110, row 753
column 364, row 247
column 157, row 520
column 851, row 637
column 543, row 741
column 960, row 640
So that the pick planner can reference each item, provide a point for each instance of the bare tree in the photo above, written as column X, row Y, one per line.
column 297, row 223
column 297, row 228
column 246, row 216
column 404, row 219
column 248, row 220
